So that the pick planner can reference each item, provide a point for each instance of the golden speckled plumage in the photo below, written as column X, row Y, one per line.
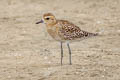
column 63, row 31
column 69, row 31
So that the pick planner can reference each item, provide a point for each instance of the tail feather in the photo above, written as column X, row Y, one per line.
column 88, row 34
column 94, row 34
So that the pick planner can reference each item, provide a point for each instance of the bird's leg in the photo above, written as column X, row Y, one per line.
column 61, row 53
column 69, row 54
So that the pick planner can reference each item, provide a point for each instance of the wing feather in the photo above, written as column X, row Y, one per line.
column 69, row 31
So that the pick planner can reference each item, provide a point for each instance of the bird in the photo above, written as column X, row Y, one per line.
column 64, row 31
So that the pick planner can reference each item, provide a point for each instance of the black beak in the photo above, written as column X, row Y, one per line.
column 39, row 22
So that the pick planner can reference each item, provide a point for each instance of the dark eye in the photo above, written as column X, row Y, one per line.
column 47, row 18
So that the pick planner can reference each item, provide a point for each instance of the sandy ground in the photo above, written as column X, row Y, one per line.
column 27, row 52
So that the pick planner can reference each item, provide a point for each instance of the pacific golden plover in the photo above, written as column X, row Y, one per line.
column 63, row 31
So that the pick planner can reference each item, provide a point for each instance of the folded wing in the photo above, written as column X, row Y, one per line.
column 69, row 31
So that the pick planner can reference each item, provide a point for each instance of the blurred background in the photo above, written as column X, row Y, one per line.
column 27, row 52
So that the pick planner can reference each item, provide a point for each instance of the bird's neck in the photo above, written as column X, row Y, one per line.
column 52, row 24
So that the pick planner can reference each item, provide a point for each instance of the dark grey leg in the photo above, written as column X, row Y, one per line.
column 61, row 53
column 69, row 54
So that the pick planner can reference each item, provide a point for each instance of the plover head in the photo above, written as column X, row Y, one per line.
column 48, row 18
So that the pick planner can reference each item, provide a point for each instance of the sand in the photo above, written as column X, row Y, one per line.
column 27, row 52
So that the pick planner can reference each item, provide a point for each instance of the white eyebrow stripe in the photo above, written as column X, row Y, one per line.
column 47, row 17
